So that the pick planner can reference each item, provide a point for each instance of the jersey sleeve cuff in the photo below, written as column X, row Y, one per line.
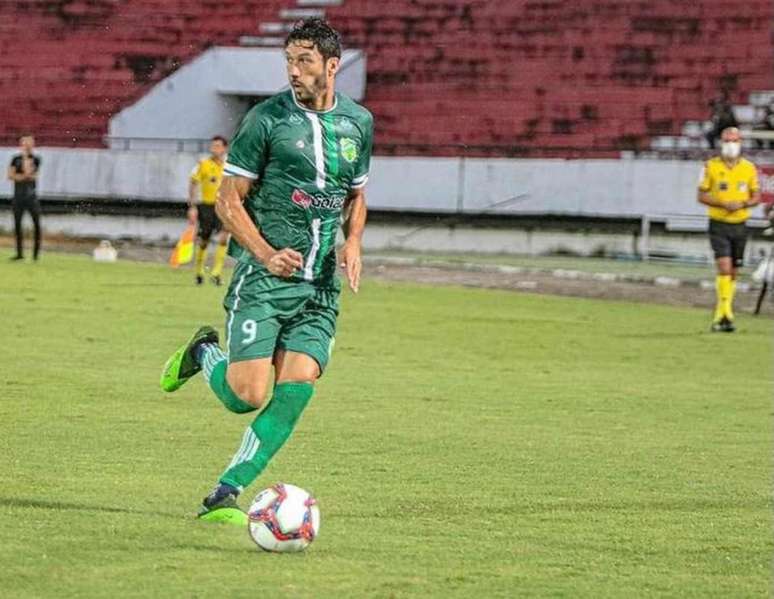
column 233, row 170
column 359, row 182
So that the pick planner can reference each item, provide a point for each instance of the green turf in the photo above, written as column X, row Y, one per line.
column 465, row 443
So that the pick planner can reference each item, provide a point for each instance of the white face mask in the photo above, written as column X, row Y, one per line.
column 730, row 149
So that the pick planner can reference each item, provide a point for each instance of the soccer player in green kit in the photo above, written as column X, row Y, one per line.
column 297, row 165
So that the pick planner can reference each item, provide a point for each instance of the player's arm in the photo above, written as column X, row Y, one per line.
column 231, row 211
column 193, row 195
column 706, row 198
column 14, row 175
column 31, row 174
column 705, row 195
column 755, row 199
column 354, row 225
column 755, row 191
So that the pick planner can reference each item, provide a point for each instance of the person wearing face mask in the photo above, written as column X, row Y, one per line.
column 729, row 188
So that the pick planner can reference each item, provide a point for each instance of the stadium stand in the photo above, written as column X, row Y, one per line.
column 445, row 77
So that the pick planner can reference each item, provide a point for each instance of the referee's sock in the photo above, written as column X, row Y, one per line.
column 199, row 256
column 220, row 258
column 723, row 290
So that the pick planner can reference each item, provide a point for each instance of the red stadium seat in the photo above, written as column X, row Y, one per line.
column 440, row 73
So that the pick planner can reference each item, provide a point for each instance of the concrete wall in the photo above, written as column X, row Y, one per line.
column 608, row 188
column 218, row 83
column 663, row 190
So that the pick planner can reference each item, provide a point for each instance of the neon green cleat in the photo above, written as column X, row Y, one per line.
column 221, row 506
column 225, row 515
column 182, row 365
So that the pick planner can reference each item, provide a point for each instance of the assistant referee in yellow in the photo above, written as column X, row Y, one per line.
column 729, row 188
column 206, row 178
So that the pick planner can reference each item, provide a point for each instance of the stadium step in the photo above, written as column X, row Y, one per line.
column 294, row 14
column 311, row 3
column 275, row 27
column 762, row 98
column 261, row 40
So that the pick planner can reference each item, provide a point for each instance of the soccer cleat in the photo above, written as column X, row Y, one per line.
column 221, row 506
column 216, row 280
column 199, row 280
column 183, row 364
column 724, row 325
column 15, row 258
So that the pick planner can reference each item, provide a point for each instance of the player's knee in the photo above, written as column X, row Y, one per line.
column 249, row 391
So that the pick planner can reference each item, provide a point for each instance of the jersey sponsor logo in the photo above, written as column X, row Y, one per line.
column 320, row 201
column 301, row 198
column 348, row 149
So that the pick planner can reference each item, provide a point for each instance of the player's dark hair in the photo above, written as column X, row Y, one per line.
column 324, row 37
column 221, row 139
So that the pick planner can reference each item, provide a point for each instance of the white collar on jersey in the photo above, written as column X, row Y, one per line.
column 305, row 109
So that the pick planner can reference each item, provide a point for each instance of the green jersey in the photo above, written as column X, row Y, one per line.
column 305, row 163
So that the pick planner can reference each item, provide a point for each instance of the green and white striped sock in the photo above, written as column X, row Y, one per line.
column 268, row 432
column 214, row 363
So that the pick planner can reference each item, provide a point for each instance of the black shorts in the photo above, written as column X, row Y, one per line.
column 209, row 222
column 728, row 240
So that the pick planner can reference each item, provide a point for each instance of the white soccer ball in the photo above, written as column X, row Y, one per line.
column 283, row 518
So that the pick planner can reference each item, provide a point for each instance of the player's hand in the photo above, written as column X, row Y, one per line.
column 193, row 214
column 352, row 264
column 732, row 206
column 284, row 263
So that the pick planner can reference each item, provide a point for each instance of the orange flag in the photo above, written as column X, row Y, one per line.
column 183, row 252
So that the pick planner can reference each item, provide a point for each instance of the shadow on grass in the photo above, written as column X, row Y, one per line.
column 26, row 502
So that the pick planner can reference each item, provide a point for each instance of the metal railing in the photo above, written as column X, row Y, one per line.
column 520, row 150
column 193, row 144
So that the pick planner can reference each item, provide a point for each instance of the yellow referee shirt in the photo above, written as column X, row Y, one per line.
column 208, row 174
column 726, row 184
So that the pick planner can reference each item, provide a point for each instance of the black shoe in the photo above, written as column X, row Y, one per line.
column 724, row 325
column 199, row 280
column 221, row 506
column 16, row 258
column 216, row 280
column 728, row 325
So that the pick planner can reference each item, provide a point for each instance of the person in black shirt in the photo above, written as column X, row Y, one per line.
column 23, row 171
column 723, row 117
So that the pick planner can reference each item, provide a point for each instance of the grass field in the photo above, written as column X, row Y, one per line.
column 465, row 443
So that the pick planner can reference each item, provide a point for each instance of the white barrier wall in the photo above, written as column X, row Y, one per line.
column 612, row 188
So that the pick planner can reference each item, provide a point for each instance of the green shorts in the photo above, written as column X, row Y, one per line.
column 265, row 313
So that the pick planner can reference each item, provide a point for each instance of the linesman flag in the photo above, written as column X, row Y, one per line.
column 184, row 250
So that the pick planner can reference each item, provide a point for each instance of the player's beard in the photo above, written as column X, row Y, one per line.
column 309, row 94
